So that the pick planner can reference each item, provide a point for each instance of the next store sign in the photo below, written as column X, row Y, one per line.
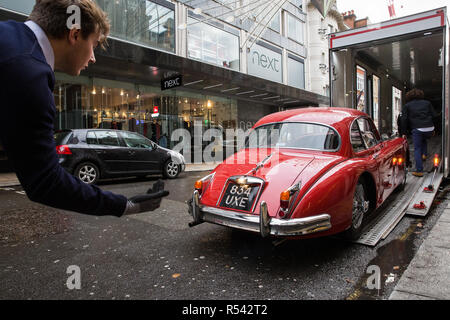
column 265, row 63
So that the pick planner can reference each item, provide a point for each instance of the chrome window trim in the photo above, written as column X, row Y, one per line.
column 359, row 129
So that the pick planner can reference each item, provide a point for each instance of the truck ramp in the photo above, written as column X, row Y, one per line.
column 386, row 220
column 422, row 200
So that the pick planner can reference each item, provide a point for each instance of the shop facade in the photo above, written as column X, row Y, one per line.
column 91, row 102
column 223, row 86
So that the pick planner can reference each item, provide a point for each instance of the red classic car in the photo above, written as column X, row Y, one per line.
column 303, row 173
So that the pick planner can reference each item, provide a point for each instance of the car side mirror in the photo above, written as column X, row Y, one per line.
column 384, row 137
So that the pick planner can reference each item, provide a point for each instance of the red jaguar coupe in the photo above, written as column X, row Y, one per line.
column 303, row 173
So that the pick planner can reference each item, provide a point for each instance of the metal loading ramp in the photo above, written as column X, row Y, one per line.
column 385, row 221
column 426, row 198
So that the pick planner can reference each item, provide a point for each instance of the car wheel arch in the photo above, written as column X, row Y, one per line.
column 342, row 223
column 371, row 187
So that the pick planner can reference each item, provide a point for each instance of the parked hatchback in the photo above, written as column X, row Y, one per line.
column 93, row 154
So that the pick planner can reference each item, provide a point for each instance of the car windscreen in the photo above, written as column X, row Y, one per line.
column 61, row 137
column 297, row 135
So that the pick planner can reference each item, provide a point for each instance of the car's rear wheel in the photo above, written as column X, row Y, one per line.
column 171, row 169
column 87, row 172
column 360, row 207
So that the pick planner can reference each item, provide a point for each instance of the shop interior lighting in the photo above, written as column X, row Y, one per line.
column 245, row 92
column 269, row 98
column 259, row 95
column 232, row 89
column 193, row 82
column 214, row 86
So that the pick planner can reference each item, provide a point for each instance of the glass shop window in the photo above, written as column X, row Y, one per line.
column 212, row 45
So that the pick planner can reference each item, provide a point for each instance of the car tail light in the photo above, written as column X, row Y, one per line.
column 202, row 184
column 400, row 161
column 394, row 161
column 285, row 199
column 63, row 149
column 436, row 160
column 285, row 196
column 199, row 186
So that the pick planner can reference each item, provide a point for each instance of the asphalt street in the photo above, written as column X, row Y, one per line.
column 156, row 255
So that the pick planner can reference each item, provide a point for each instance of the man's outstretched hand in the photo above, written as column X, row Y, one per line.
column 147, row 202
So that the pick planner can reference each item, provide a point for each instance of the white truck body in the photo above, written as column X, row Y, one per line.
column 372, row 68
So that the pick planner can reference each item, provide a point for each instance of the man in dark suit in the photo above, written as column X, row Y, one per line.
column 29, row 53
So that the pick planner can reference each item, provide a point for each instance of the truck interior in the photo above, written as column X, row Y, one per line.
column 414, row 62
column 371, row 69
column 375, row 76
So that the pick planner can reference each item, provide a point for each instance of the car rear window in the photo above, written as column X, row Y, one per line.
column 296, row 135
column 63, row 137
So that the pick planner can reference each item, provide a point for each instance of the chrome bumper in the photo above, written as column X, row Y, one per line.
column 263, row 223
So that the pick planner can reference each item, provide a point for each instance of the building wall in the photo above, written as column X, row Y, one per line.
column 318, row 59
column 280, row 31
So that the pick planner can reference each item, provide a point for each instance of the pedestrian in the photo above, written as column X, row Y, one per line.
column 58, row 35
column 417, row 117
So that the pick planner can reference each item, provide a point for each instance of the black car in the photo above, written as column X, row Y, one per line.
column 93, row 154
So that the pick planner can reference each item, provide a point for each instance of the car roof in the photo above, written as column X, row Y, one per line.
column 326, row 115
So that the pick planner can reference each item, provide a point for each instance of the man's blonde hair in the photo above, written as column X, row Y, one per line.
column 52, row 17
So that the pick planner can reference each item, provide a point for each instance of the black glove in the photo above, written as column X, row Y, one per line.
column 147, row 202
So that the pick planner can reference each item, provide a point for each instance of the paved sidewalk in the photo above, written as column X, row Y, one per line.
column 8, row 179
column 428, row 275
column 206, row 166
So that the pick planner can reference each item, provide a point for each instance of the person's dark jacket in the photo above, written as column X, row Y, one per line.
column 417, row 114
column 28, row 111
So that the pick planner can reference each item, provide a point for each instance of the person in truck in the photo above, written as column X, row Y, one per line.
column 417, row 118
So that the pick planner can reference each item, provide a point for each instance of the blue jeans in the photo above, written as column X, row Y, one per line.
column 420, row 146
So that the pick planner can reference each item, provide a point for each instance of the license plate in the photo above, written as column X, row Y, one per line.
column 239, row 197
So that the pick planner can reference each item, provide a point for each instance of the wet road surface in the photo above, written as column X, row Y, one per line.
column 157, row 256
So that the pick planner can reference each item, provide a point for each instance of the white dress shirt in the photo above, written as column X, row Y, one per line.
column 43, row 42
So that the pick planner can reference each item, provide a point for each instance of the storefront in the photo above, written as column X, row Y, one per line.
column 84, row 102
column 222, row 86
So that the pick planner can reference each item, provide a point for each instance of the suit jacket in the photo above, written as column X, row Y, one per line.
column 27, row 114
